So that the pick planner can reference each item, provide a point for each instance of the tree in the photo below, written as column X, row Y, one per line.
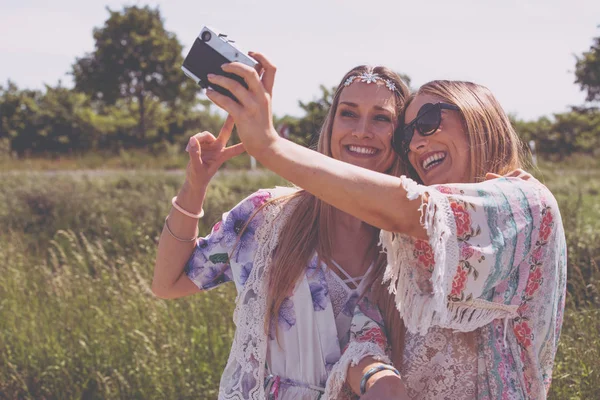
column 587, row 71
column 66, row 121
column 137, row 60
column 19, row 118
column 305, row 130
column 576, row 131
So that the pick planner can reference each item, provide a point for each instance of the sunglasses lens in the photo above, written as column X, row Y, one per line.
column 429, row 120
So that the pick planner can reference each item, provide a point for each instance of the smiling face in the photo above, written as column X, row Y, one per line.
column 363, row 126
column 444, row 156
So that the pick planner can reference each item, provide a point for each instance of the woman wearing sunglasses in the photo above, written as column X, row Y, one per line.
column 477, row 268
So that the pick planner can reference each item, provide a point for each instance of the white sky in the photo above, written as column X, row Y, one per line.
column 523, row 50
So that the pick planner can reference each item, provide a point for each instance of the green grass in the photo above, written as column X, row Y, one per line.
column 77, row 318
column 78, row 321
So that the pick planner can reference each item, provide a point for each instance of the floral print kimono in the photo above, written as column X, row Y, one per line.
column 314, row 322
column 482, row 299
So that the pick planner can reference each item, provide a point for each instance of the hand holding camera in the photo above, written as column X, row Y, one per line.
column 233, row 83
column 208, row 53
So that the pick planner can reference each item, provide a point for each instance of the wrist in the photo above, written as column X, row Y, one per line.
column 385, row 376
column 264, row 148
column 376, row 373
column 191, row 197
column 193, row 189
column 387, row 387
column 195, row 186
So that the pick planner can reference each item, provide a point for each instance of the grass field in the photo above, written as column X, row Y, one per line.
column 78, row 320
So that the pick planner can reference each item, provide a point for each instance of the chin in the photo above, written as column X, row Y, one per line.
column 432, row 181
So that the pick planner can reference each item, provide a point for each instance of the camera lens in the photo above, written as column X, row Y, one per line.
column 206, row 36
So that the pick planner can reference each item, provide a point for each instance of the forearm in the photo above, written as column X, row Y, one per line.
column 376, row 198
column 173, row 254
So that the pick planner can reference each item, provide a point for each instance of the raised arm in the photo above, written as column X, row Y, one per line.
column 177, row 239
column 375, row 198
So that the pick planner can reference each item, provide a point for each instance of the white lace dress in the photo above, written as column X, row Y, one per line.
column 314, row 322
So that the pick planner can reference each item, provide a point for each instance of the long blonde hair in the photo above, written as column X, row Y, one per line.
column 494, row 145
column 309, row 226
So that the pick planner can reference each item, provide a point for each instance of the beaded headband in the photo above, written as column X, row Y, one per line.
column 368, row 77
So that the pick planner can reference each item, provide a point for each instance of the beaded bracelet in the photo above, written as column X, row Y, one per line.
column 373, row 371
column 184, row 212
column 177, row 237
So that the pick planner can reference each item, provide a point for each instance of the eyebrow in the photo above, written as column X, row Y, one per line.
column 350, row 104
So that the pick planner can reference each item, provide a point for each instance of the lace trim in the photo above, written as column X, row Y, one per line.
column 244, row 374
column 355, row 352
column 421, row 311
column 339, row 292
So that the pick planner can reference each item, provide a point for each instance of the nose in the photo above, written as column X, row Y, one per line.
column 418, row 142
column 361, row 129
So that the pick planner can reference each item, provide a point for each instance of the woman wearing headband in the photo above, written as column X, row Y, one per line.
column 297, row 262
column 478, row 269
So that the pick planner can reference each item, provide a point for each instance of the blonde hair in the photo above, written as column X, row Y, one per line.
column 309, row 226
column 494, row 144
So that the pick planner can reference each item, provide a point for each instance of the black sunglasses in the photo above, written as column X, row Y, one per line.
column 428, row 120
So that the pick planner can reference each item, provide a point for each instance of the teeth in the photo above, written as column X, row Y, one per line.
column 429, row 161
column 362, row 150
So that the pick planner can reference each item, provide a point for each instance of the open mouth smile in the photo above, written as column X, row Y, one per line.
column 362, row 150
column 433, row 160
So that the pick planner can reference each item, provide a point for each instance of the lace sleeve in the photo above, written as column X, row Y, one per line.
column 479, row 235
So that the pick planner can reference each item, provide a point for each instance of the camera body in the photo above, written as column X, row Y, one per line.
column 209, row 51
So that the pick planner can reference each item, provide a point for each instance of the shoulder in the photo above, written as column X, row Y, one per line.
column 254, row 203
column 508, row 188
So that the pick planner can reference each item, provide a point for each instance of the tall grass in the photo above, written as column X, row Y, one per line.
column 78, row 321
column 77, row 318
column 576, row 186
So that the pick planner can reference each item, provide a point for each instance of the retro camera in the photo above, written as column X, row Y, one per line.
column 209, row 51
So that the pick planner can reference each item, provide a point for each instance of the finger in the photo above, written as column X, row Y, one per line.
column 249, row 75
column 525, row 176
column 240, row 92
column 268, row 76
column 516, row 173
column 195, row 152
column 225, row 102
column 201, row 137
column 491, row 175
column 234, row 151
column 226, row 129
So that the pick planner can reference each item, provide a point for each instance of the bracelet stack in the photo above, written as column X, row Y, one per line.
column 373, row 371
column 187, row 214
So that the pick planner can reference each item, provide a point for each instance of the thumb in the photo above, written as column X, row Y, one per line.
column 233, row 151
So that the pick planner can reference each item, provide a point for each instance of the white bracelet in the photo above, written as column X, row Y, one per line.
column 184, row 212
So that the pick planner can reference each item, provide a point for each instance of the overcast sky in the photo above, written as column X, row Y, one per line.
column 523, row 50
